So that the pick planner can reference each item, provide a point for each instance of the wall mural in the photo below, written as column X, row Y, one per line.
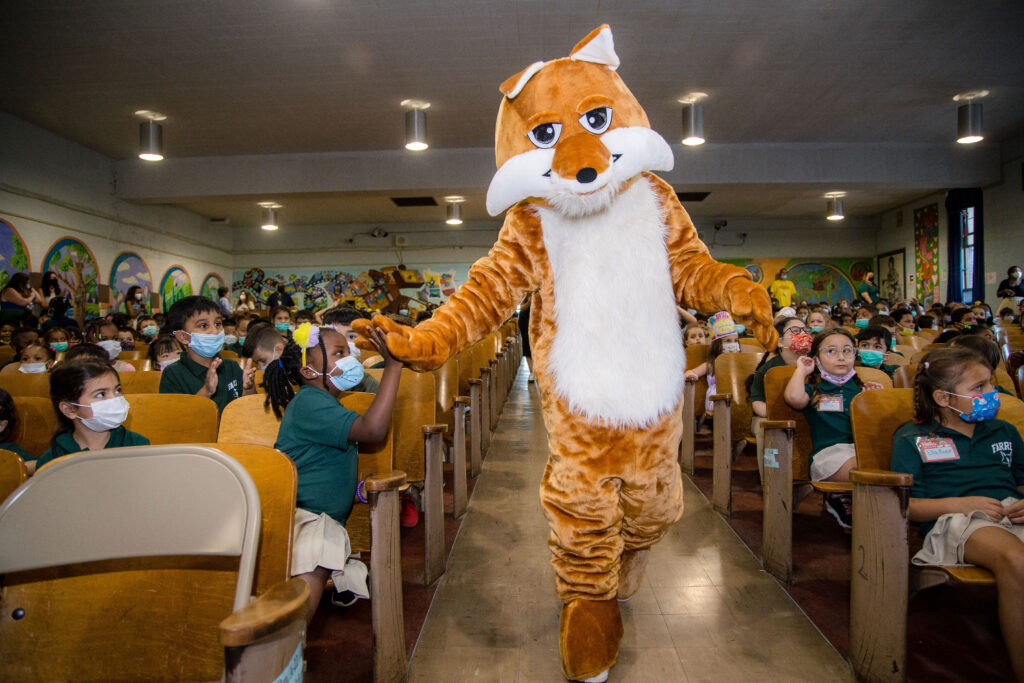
column 318, row 289
column 926, row 253
column 74, row 263
column 128, row 271
column 174, row 285
column 816, row 279
column 211, row 283
column 13, row 254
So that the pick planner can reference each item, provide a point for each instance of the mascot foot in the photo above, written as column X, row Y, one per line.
column 599, row 678
column 631, row 572
column 588, row 638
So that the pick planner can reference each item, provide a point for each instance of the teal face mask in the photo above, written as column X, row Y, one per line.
column 861, row 323
column 59, row 347
column 815, row 329
column 282, row 327
column 870, row 357
column 149, row 331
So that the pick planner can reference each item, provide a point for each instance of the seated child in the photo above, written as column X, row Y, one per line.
column 20, row 338
column 241, row 330
column 163, row 352
column 195, row 322
column 341, row 320
column 872, row 348
column 694, row 335
column 8, row 420
column 36, row 357
column 303, row 316
column 263, row 345
column 57, row 339
column 863, row 317
column 281, row 317
column 818, row 321
column 230, row 324
column 147, row 327
column 87, row 400
column 94, row 352
column 824, row 383
column 6, row 330
column 127, row 337
column 989, row 352
column 968, row 470
column 320, row 436
column 725, row 339
column 905, row 322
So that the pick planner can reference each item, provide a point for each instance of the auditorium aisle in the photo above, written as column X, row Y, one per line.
column 705, row 612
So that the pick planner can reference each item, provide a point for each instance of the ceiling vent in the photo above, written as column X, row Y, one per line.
column 692, row 196
column 414, row 201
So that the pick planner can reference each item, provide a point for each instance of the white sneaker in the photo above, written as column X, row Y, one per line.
column 599, row 678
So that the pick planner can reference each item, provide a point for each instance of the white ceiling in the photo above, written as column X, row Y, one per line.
column 309, row 78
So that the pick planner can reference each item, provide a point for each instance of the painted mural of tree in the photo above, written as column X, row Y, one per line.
column 76, row 271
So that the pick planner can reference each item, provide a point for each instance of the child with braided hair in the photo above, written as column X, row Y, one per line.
column 320, row 436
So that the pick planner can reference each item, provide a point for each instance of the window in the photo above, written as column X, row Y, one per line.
column 967, row 253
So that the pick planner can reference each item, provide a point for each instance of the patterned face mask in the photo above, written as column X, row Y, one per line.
column 983, row 406
column 800, row 342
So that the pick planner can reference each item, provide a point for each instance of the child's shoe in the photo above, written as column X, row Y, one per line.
column 343, row 598
column 840, row 506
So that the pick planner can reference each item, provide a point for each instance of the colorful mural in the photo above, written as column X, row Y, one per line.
column 318, row 289
column 926, row 253
column 128, row 271
column 174, row 285
column 830, row 280
column 211, row 283
column 68, row 258
column 13, row 254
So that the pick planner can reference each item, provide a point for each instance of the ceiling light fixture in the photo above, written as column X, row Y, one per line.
column 270, row 218
column 968, row 117
column 454, row 210
column 693, row 118
column 151, row 135
column 416, row 125
column 835, row 206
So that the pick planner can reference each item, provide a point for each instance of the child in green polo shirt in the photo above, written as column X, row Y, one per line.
column 320, row 436
column 824, row 383
column 968, row 471
column 873, row 344
column 195, row 322
column 87, row 400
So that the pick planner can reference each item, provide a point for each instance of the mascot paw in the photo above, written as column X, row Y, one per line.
column 750, row 304
column 588, row 637
column 419, row 350
column 631, row 572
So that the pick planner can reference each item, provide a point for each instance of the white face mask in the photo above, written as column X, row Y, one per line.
column 730, row 347
column 354, row 350
column 111, row 346
column 32, row 367
column 106, row 414
column 163, row 365
column 230, row 340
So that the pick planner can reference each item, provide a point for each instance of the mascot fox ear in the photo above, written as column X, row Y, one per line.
column 597, row 47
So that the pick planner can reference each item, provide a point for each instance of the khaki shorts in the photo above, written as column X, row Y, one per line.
column 828, row 461
column 944, row 544
column 319, row 540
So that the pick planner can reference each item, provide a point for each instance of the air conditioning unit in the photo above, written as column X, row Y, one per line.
column 401, row 240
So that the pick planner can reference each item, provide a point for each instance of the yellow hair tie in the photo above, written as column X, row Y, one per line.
column 306, row 336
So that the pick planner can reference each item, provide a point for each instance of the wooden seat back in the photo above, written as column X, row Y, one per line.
column 140, row 364
column 918, row 341
column 13, row 473
column 373, row 360
column 899, row 358
column 696, row 354
column 13, row 369
column 134, row 354
column 140, row 382
column 731, row 372
column 35, row 425
column 928, row 335
column 906, row 350
column 875, row 417
column 446, row 388
column 172, row 418
column 229, row 354
column 415, row 406
column 6, row 353
column 903, row 378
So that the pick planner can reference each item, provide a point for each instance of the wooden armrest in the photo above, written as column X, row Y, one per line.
column 390, row 481
column 462, row 399
column 435, row 429
column 483, row 371
column 832, row 486
column 720, row 397
column 778, row 424
column 475, row 381
column 881, row 478
column 689, row 380
column 281, row 605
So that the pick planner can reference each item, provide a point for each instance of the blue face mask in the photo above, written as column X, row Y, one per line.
column 283, row 327
column 861, row 323
column 870, row 357
column 740, row 329
column 350, row 373
column 149, row 331
column 206, row 345
column 983, row 407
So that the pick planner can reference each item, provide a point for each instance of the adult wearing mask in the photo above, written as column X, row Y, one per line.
column 1011, row 289
column 280, row 298
column 782, row 288
column 134, row 302
column 866, row 290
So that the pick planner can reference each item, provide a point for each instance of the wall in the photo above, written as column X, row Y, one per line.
column 51, row 188
column 896, row 231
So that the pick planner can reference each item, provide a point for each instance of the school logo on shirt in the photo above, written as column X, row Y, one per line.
column 1005, row 451
column 233, row 387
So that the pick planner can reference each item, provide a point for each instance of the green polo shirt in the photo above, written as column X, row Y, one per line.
column 187, row 377
column 18, row 450
column 991, row 462
column 830, row 427
column 314, row 434
column 65, row 443
column 757, row 386
column 871, row 290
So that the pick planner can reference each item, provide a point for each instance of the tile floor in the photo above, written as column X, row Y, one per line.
column 705, row 611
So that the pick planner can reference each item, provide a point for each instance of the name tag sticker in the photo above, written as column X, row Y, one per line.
column 830, row 404
column 770, row 458
column 937, row 449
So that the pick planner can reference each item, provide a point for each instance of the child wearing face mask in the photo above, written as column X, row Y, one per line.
column 87, row 400
column 818, row 321
column 281, row 317
column 341, row 319
column 968, row 470
column 163, row 352
column 57, row 339
column 148, row 328
column 822, row 387
column 873, row 343
column 36, row 357
column 195, row 322
column 104, row 335
column 863, row 317
column 724, row 339
column 320, row 436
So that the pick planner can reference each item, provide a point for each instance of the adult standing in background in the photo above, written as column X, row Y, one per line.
column 867, row 291
column 50, row 287
column 134, row 305
column 280, row 298
column 224, row 303
column 18, row 297
column 524, row 330
column 245, row 303
column 1011, row 289
column 782, row 288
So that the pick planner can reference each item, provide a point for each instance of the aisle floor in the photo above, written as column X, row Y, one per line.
column 705, row 610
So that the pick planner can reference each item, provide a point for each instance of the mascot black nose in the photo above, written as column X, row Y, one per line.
column 586, row 175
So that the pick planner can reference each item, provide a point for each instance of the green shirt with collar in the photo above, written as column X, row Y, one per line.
column 991, row 462
column 757, row 386
column 314, row 434
column 18, row 450
column 65, row 443
column 188, row 377
column 829, row 427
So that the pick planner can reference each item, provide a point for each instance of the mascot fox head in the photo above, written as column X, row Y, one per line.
column 570, row 133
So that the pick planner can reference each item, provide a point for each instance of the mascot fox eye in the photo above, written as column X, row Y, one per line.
column 597, row 120
column 545, row 135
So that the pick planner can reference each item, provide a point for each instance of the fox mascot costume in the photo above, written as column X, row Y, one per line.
column 608, row 252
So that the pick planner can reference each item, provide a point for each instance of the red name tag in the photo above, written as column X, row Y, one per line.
column 936, row 449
